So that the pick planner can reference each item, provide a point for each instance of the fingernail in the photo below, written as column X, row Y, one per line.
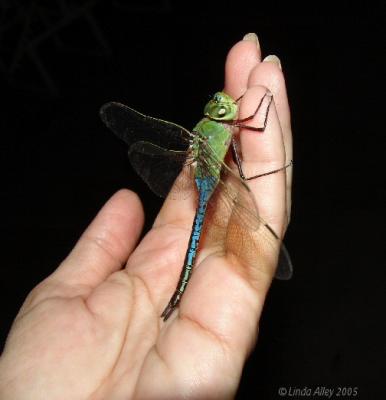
column 252, row 37
column 274, row 59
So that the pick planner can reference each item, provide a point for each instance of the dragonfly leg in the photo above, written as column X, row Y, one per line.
column 239, row 98
column 237, row 159
column 239, row 122
column 173, row 303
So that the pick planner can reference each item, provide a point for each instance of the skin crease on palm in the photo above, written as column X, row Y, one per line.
column 92, row 330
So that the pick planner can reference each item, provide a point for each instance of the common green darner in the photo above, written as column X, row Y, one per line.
column 170, row 158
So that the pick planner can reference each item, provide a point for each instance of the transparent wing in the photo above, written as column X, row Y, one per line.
column 160, row 168
column 234, row 227
column 131, row 126
column 158, row 149
column 285, row 268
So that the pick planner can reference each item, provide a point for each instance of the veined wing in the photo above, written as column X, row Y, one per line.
column 158, row 149
column 234, row 227
column 131, row 126
column 163, row 170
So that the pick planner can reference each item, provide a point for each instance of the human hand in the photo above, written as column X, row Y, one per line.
column 92, row 330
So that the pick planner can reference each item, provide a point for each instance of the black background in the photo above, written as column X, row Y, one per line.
column 325, row 327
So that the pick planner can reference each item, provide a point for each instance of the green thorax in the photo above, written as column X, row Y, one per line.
column 211, row 129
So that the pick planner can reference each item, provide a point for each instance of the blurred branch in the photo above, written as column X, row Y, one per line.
column 26, row 25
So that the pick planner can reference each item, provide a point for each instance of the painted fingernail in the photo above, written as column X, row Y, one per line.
column 274, row 59
column 252, row 37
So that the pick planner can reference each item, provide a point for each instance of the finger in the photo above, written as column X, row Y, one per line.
column 264, row 152
column 105, row 245
column 269, row 74
column 244, row 55
column 241, row 60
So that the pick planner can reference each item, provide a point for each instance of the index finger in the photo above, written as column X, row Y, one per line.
column 241, row 60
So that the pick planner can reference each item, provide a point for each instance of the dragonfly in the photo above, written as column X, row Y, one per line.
column 176, row 162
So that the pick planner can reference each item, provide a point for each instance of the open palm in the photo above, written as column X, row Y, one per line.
column 92, row 330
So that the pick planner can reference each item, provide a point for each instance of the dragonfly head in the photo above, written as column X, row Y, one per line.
column 221, row 107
